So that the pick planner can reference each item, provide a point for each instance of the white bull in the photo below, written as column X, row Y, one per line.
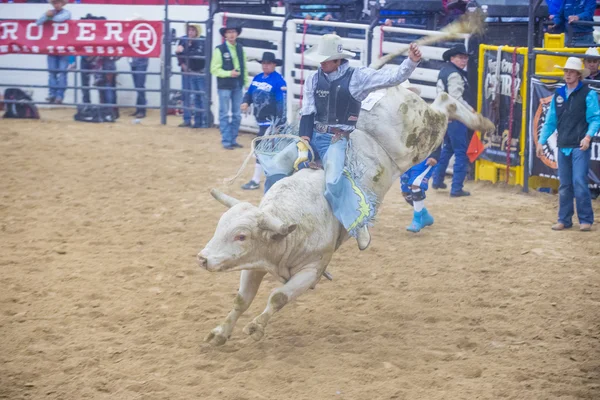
column 293, row 234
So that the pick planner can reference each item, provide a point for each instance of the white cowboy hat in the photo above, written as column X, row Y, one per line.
column 329, row 48
column 592, row 51
column 406, row 84
column 577, row 65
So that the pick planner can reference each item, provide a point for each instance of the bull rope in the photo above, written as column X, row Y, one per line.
column 304, row 28
column 511, row 111
column 229, row 181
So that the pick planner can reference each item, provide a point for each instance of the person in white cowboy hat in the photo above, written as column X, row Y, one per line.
column 592, row 63
column 330, row 108
column 574, row 114
column 228, row 64
column 58, row 65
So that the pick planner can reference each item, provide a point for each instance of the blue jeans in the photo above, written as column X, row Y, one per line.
column 107, row 80
column 455, row 142
column 139, row 82
column 572, row 172
column 349, row 203
column 191, row 82
column 57, row 80
column 230, row 99
column 586, row 39
column 85, row 78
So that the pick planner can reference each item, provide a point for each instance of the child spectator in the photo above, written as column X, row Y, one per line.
column 57, row 79
column 190, row 52
column 267, row 93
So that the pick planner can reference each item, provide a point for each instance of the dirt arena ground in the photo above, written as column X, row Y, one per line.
column 101, row 296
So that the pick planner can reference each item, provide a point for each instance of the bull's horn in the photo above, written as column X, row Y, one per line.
column 272, row 223
column 224, row 199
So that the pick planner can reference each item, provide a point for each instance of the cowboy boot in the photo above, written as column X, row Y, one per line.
column 426, row 218
column 417, row 224
column 363, row 238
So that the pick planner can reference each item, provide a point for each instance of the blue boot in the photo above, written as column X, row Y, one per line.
column 416, row 225
column 426, row 218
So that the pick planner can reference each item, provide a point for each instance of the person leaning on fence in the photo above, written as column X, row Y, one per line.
column 188, row 48
column 453, row 80
column 139, row 65
column 106, row 78
column 592, row 63
column 574, row 114
column 331, row 105
column 267, row 92
column 228, row 64
column 572, row 11
column 58, row 65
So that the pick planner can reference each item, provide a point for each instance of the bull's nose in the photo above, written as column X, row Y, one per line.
column 202, row 261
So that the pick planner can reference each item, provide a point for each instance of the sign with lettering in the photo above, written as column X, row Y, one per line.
column 502, row 86
column 82, row 38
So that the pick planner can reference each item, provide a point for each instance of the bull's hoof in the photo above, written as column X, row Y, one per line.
column 216, row 337
column 254, row 330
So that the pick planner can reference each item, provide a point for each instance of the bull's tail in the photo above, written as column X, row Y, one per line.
column 455, row 110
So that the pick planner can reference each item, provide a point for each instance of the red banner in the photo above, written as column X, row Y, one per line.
column 82, row 38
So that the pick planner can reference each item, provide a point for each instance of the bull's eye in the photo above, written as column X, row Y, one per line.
column 239, row 237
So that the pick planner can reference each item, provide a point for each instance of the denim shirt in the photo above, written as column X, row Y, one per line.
column 584, row 9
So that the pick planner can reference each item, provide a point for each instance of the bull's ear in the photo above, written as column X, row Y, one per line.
column 278, row 228
column 224, row 199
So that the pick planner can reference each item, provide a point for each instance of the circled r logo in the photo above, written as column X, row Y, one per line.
column 143, row 39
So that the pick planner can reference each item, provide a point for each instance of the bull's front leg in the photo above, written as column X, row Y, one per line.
column 249, row 283
column 298, row 284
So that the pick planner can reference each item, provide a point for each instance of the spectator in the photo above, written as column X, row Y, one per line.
column 107, row 78
column 571, row 12
column 453, row 80
column 192, row 46
column 58, row 65
column 575, row 115
column 87, row 63
column 140, row 65
column 592, row 63
column 554, row 7
column 228, row 64
column 267, row 93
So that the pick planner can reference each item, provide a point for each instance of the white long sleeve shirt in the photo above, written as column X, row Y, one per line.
column 364, row 81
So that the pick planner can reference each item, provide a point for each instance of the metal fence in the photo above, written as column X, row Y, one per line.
column 286, row 37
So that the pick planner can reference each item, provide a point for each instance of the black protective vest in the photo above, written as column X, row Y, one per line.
column 335, row 105
column 449, row 69
column 231, row 83
column 570, row 116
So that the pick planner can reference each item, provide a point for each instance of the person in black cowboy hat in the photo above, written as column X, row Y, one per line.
column 268, row 94
column 228, row 64
column 453, row 80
